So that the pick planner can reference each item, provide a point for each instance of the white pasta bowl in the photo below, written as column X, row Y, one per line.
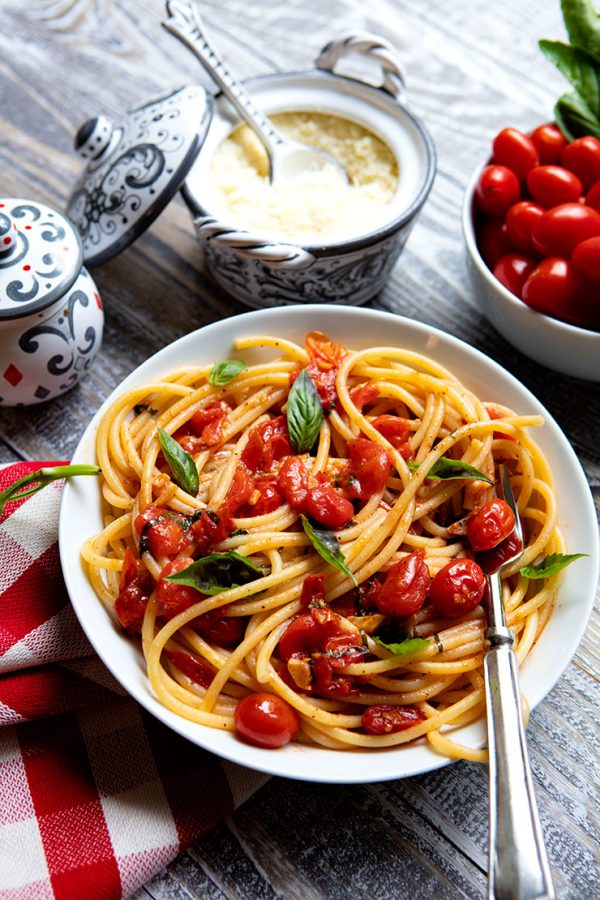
column 566, row 348
column 356, row 328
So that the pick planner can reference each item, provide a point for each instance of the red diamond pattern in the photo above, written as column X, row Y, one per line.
column 12, row 375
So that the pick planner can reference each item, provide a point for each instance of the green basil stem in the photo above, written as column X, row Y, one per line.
column 40, row 479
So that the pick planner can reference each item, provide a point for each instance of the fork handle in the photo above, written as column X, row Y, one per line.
column 519, row 867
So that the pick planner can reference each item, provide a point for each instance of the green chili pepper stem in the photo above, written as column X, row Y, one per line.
column 41, row 479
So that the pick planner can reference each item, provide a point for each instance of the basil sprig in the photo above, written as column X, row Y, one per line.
column 445, row 469
column 326, row 544
column 217, row 572
column 224, row 372
column 550, row 565
column 304, row 412
column 182, row 466
column 40, row 479
column 409, row 645
column 578, row 113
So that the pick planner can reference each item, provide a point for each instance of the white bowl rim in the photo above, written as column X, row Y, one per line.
column 297, row 761
column 468, row 225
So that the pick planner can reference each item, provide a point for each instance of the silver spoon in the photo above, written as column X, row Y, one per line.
column 518, row 865
column 287, row 158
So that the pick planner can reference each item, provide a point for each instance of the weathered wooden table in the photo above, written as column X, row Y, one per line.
column 473, row 67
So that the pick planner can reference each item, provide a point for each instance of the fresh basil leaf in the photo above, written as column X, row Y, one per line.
column 225, row 371
column 575, row 118
column 583, row 25
column 39, row 479
column 304, row 412
column 410, row 645
column 581, row 69
column 550, row 565
column 217, row 572
column 445, row 469
column 181, row 464
column 326, row 544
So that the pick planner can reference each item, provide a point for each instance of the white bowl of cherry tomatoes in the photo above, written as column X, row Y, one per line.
column 531, row 219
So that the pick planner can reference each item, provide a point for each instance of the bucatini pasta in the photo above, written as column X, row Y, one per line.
column 320, row 553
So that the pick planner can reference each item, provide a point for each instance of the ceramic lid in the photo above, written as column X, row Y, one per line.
column 135, row 168
column 40, row 257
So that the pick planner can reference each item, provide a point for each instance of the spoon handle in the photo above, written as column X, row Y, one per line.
column 184, row 22
column 519, row 867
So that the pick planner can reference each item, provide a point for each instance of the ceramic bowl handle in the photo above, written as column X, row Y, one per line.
column 365, row 44
column 252, row 246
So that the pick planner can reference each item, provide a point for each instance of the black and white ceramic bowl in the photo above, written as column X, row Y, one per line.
column 261, row 271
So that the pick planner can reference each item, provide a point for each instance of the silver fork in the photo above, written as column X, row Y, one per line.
column 518, row 865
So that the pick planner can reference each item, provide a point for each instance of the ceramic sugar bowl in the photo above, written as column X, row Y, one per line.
column 51, row 316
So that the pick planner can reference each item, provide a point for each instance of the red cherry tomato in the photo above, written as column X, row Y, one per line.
column 560, row 229
column 239, row 492
column 405, row 587
column 552, row 289
column 497, row 189
column 520, row 220
column 582, row 157
column 586, row 258
column 490, row 524
column 370, row 465
column 312, row 589
column 309, row 631
column 208, row 529
column 493, row 241
column 326, row 506
column 491, row 560
column 209, row 421
column 513, row 270
column 549, row 141
column 162, row 530
column 266, row 443
column 593, row 197
column 395, row 430
column 134, row 591
column 384, row 719
column 266, row 720
column 175, row 598
column 270, row 498
column 193, row 667
column 292, row 481
column 215, row 626
column 514, row 149
column 458, row 588
column 551, row 185
column 364, row 394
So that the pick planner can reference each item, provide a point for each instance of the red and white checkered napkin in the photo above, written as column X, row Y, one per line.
column 95, row 794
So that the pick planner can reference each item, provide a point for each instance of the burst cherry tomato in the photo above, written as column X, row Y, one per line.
column 215, row 626
column 270, row 498
column 513, row 270
column 239, row 492
column 490, row 524
column 266, row 720
column 520, row 220
column 593, row 197
column 370, row 465
column 326, row 506
column 582, row 157
column 497, row 190
column 552, row 289
column 266, row 443
column 197, row 670
column 134, row 591
column 552, row 185
column 308, row 633
column 514, row 149
column 364, row 394
column 175, row 598
column 586, row 258
column 395, row 430
column 560, row 229
column 491, row 560
column 493, row 241
column 458, row 588
column 549, row 141
column 292, row 481
column 384, row 719
column 312, row 590
column 209, row 422
column 162, row 530
column 405, row 588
